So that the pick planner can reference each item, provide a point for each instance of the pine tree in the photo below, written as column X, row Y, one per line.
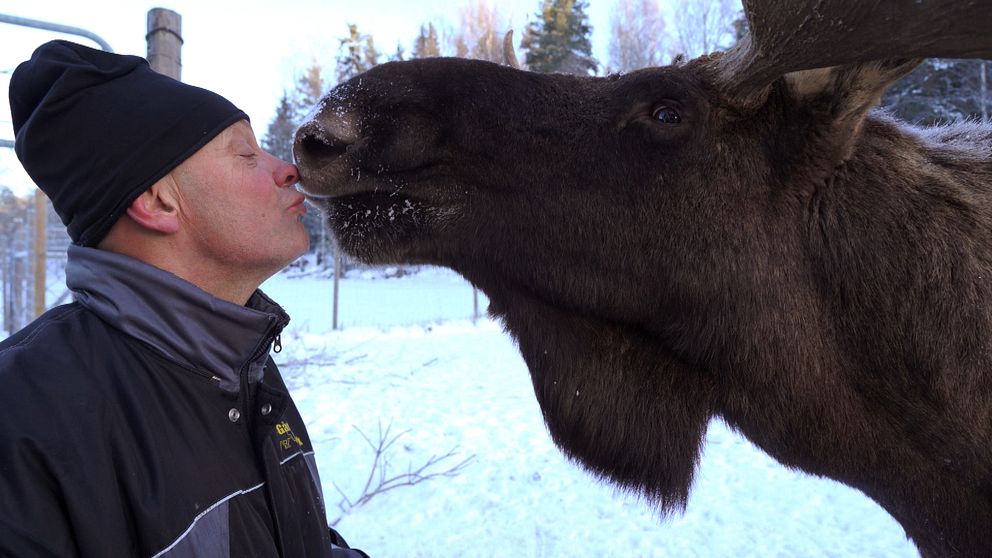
column 461, row 47
column 278, row 139
column 371, row 55
column 356, row 54
column 293, row 108
column 427, row 45
column 559, row 40
column 310, row 87
column 399, row 55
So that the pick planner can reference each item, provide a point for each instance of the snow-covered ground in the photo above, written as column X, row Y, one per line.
column 409, row 356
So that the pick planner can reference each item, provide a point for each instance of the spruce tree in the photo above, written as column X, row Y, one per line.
column 293, row 108
column 427, row 44
column 371, row 55
column 310, row 87
column 278, row 138
column 559, row 39
column 356, row 54
column 399, row 55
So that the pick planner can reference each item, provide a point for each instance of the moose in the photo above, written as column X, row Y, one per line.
column 742, row 235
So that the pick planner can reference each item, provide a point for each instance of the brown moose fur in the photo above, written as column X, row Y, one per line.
column 816, row 274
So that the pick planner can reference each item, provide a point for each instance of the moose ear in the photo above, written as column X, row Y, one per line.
column 852, row 84
column 840, row 97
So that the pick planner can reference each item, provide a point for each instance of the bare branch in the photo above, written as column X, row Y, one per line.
column 481, row 26
column 637, row 36
column 379, row 481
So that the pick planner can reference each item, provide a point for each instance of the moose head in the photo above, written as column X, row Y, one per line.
column 737, row 236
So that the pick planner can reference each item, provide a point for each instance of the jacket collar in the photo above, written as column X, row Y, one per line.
column 181, row 321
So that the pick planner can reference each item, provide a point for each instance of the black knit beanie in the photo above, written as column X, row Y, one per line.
column 94, row 130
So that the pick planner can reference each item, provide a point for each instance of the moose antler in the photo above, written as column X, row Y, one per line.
column 790, row 35
column 508, row 52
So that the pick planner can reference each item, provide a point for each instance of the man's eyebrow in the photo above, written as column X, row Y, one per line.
column 237, row 140
column 247, row 137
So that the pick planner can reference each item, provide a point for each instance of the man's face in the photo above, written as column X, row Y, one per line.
column 239, row 207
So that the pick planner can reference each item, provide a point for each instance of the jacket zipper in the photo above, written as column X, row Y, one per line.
column 259, row 351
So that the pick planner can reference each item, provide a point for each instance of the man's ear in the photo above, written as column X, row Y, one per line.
column 156, row 208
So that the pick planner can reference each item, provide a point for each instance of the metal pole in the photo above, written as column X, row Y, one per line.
column 337, row 277
column 475, row 305
column 19, row 280
column 37, row 24
column 984, row 92
column 165, row 42
column 8, row 291
column 40, row 251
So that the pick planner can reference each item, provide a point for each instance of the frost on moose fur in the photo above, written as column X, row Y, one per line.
column 721, row 238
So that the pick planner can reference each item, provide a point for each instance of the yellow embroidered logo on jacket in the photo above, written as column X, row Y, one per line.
column 283, row 429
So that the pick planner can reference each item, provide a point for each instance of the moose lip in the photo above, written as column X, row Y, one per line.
column 343, row 178
column 349, row 191
column 322, row 184
column 361, row 203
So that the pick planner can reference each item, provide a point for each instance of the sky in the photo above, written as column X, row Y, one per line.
column 247, row 51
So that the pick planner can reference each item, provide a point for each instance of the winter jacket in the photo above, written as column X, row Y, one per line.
column 147, row 419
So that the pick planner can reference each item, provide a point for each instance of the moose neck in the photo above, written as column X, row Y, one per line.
column 789, row 349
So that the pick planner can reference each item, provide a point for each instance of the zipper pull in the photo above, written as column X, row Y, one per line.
column 277, row 344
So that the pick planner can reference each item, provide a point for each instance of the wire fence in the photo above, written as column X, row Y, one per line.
column 19, row 265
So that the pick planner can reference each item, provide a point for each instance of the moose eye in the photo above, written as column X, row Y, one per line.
column 666, row 115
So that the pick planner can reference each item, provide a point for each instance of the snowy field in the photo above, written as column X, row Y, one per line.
column 409, row 356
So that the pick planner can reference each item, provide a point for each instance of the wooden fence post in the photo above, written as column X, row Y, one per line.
column 165, row 42
column 40, row 251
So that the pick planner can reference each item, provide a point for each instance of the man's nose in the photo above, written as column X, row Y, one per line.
column 286, row 175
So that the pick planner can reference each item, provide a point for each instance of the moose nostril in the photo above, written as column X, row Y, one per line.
column 317, row 148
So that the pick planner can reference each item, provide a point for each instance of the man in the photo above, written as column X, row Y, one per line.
column 147, row 418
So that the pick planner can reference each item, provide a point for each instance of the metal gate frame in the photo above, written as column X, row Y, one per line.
column 48, row 26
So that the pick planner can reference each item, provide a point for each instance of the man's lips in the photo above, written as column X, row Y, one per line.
column 298, row 204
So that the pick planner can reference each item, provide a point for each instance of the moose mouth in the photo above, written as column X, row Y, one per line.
column 380, row 225
column 323, row 191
